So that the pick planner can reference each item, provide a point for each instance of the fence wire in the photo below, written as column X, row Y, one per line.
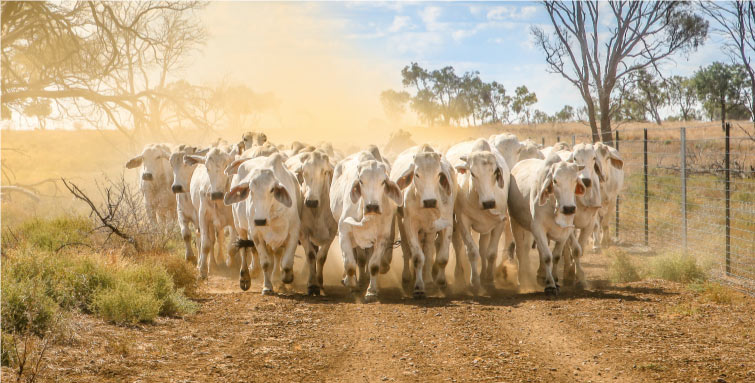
column 689, row 210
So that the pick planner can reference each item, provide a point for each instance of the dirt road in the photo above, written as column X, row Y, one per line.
column 647, row 331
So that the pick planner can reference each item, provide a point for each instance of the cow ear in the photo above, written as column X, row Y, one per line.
column 298, row 171
column 462, row 168
column 406, row 178
column 616, row 161
column 393, row 192
column 546, row 189
column 571, row 157
column 580, row 188
column 237, row 194
column 202, row 152
column 356, row 191
column 281, row 194
column 304, row 157
column 580, row 167
column 193, row 159
column 233, row 168
column 134, row 162
column 598, row 170
column 445, row 183
column 499, row 177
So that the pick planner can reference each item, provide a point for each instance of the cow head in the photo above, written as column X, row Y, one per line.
column 508, row 146
column 154, row 161
column 529, row 149
column 608, row 156
column 561, row 181
column 431, row 182
column 372, row 185
column 486, row 176
column 216, row 160
column 181, row 171
column 314, row 173
column 591, row 174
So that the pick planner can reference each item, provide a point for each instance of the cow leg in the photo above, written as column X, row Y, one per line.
column 288, row 256
column 483, row 248
column 567, row 277
column 374, row 268
column 311, row 254
column 428, row 249
column 232, row 258
column 186, row 236
column 417, row 262
column 387, row 254
column 473, row 253
column 546, row 260
column 406, row 252
column 349, row 263
column 441, row 260
column 322, row 256
column 584, row 235
column 459, row 250
column 597, row 235
column 491, row 252
column 245, row 278
column 363, row 256
column 522, row 244
column 220, row 254
column 206, row 242
column 267, row 266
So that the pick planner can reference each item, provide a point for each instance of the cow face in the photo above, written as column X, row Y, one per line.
column 154, row 160
column 181, row 171
column 591, row 174
column 371, row 185
column 431, row 183
column 268, row 196
column 486, row 176
column 314, row 175
column 562, row 183
column 216, row 161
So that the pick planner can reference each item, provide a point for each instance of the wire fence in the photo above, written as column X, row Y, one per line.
column 691, row 196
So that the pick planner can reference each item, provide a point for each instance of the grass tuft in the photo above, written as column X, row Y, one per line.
column 622, row 270
column 677, row 268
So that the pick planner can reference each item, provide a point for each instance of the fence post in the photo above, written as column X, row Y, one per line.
column 618, row 197
column 558, row 139
column 573, row 140
column 727, row 186
column 645, row 178
column 683, row 168
column 543, row 140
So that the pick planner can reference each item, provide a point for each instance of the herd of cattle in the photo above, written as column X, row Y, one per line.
column 274, row 199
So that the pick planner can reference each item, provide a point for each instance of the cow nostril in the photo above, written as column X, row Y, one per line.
column 488, row 205
column 177, row 189
column 216, row 196
column 311, row 203
column 260, row 222
column 430, row 203
column 587, row 182
column 569, row 210
column 147, row 176
column 372, row 208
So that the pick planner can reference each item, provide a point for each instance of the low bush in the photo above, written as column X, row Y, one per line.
column 53, row 234
column 126, row 304
column 622, row 270
column 677, row 268
column 26, row 308
column 184, row 274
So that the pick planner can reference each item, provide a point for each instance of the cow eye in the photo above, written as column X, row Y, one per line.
column 416, row 175
column 383, row 183
column 472, row 173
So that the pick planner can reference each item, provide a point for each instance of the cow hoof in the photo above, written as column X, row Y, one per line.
column 384, row 267
column 551, row 291
column 419, row 294
column 370, row 298
column 596, row 250
column 245, row 284
column 267, row 291
column 313, row 291
column 192, row 259
column 288, row 276
column 581, row 285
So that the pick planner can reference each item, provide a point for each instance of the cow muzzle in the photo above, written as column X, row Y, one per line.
column 569, row 210
column 311, row 203
column 177, row 189
column 260, row 222
column 147, row 176
column 487, row 205
column 216, row 196
column 430, row 203
column 587, row 182
column 372, row 208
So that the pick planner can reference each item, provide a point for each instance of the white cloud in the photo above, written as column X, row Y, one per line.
column 399, row 23
column 505, row 12
column 430, row 17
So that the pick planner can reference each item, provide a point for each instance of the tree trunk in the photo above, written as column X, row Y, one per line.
column 723, row 114
column 605, row 119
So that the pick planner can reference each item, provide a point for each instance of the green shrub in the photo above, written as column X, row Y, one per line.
column 184, row 274
column 622, row 270
column 52, row 234
column 155, row 288
column 677, row 268
column 26, row 308
column 126, row 304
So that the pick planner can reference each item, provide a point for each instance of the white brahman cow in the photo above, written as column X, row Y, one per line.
column 156, row 177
